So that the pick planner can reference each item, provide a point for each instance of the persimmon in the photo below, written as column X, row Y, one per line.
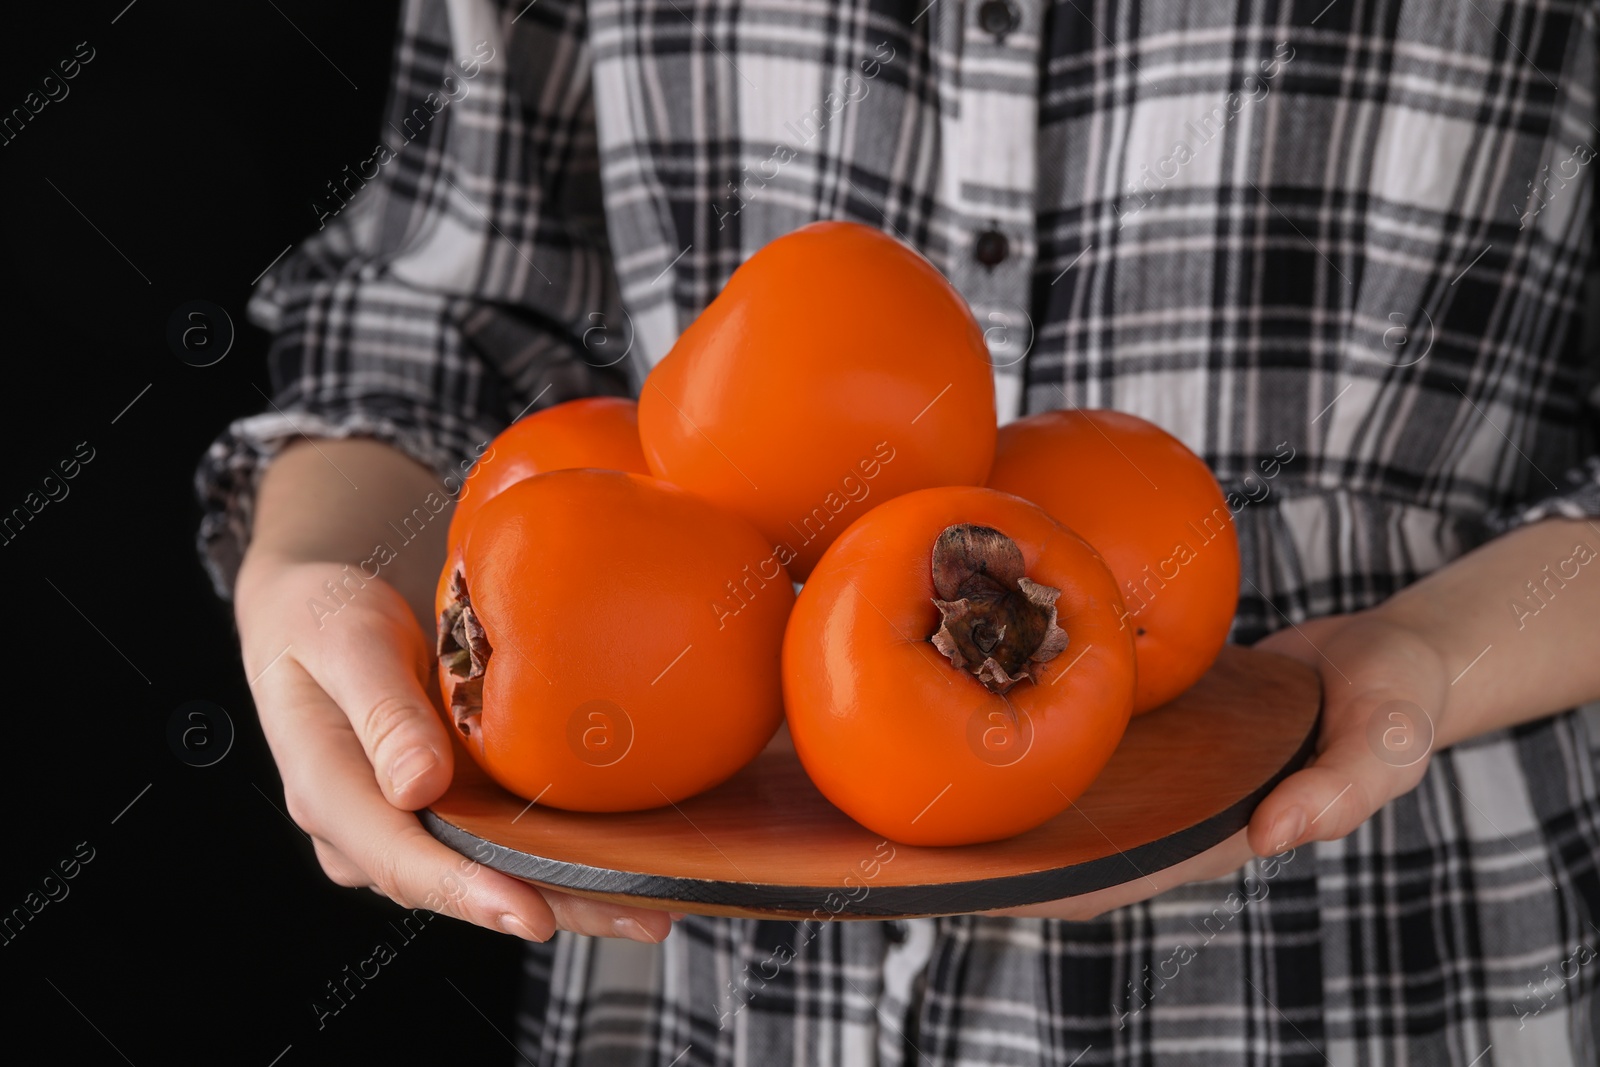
column 609, row 642
column 596, row 431
column 1154, row 510
column 836, row 369
column 954, row 670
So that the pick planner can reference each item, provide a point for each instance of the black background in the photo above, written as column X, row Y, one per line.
column 184, row 159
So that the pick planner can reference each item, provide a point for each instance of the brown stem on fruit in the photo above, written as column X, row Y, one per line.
column 997, row 624
column 464, row 652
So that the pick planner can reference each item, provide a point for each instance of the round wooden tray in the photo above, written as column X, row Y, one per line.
column 766, row 844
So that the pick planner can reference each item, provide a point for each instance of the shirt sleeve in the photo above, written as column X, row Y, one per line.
column 1573, row 492
column 1577, row 496
column 457, row 271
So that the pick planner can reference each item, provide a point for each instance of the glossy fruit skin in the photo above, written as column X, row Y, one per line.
column 596, row 431
column 829, row 349
column 883, row 724
column 602, row 586
column 1144, row 500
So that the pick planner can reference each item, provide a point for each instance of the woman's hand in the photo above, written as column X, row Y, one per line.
column 343, row 702
column 1383, row 693
column 1383, row 686
column 343, row 694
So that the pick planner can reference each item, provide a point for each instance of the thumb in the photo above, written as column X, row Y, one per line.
column 1323, row 802
column 374, row 674
column 1374, row 743
column 1373, row 748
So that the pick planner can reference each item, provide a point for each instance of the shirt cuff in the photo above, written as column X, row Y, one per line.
column 1579, row 498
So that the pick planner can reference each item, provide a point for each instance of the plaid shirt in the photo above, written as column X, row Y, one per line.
column 1350, row 237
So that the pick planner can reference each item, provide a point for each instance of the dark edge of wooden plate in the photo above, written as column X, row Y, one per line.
column 883, row 901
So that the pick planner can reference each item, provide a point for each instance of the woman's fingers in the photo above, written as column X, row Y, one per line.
column 1323, row 802
column 1378, row 682
column 364, row 839
column 571, row 913
column 599, row 919
column 339, row 870
column 371, row 660
column 359, row 745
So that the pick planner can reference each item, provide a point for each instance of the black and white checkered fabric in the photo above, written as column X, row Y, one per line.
column 1351, row 237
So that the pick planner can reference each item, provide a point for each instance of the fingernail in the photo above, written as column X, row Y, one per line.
column 676, row 915
column 1287, row 828
column 513, row 925
column 412, row 764
column 633, row 930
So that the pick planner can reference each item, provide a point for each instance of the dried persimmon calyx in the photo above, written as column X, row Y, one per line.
column 463, row 650
column 996, row 623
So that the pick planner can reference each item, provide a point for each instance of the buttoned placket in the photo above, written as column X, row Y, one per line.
column 987, row 53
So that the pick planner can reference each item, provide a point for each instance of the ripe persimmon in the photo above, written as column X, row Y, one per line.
column 837, row 369
column 1154, row 510
column 609, row 642
column 596, row 431
column 954, row 670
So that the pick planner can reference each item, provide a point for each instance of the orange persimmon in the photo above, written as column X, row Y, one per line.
column 1154, row 510
column 954, row 670
column 609, row 642
column 836, row 369
column 596, row 431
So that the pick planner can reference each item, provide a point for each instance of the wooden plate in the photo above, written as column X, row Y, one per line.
column 766, row 844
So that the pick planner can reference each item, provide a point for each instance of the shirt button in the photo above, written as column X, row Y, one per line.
column 894, row 932
column 992, row 247
column 999, row 17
